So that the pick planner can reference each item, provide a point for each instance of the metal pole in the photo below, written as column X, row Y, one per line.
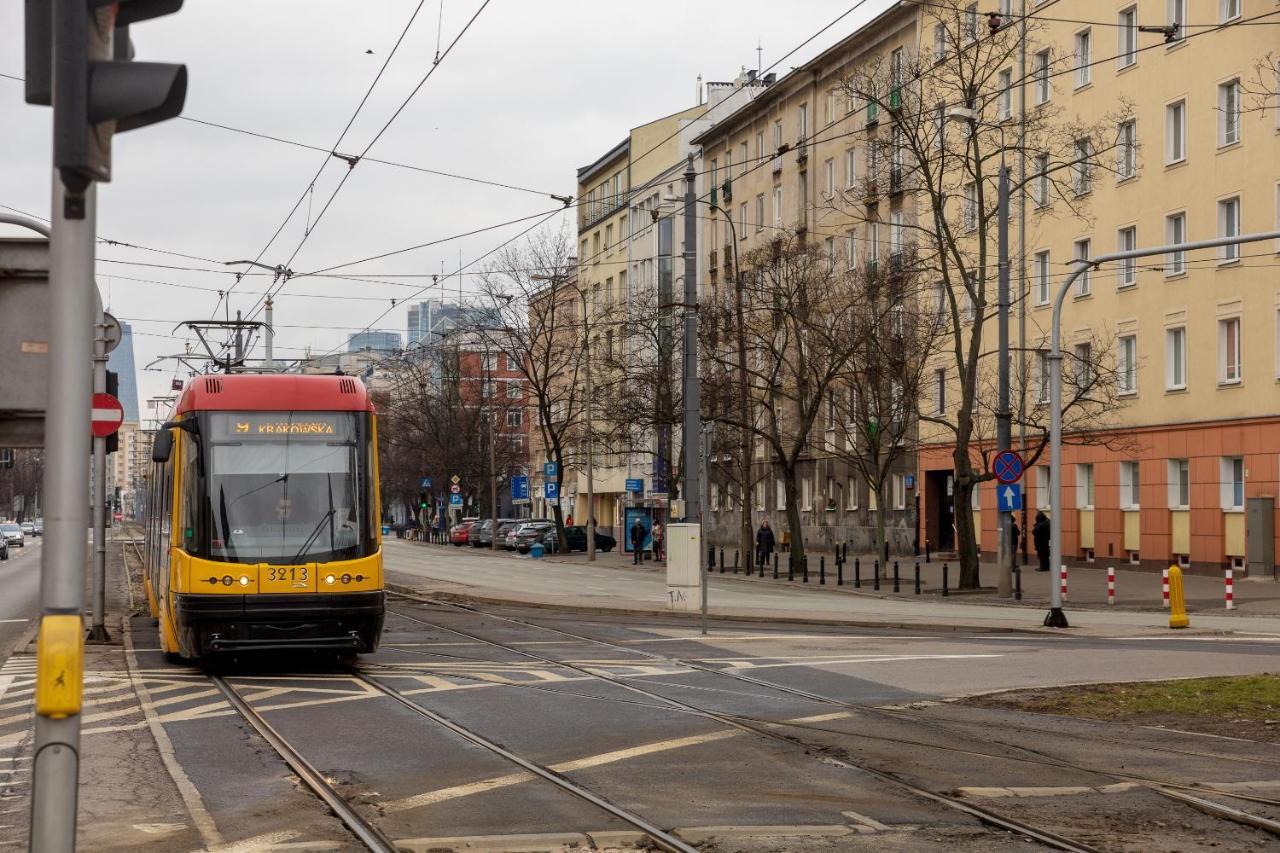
column 692, row 401
column 1003, row 438
column 1055, row 617
column 98, row 630
column 55, row 754
column 591, row 445
column 270, row 361
column 1022, row 258
column 493, row 464
column 706, row 455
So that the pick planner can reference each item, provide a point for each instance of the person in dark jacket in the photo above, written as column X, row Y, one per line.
column 637, row 542
column 764, row 543
column 1040, row 534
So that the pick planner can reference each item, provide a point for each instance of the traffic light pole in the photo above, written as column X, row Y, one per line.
column 56, row 752
column 98, row 630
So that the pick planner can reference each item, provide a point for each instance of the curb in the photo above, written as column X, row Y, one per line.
column 472, row 598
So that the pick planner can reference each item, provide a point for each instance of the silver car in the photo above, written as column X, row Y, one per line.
column 13, row 535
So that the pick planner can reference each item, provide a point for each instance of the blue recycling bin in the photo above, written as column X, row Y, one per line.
column 536, row 551
column 386, row 528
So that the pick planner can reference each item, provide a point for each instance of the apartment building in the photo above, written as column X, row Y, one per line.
column 1187, row 465
column 795, row 161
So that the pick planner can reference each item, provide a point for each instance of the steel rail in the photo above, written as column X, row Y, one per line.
column 659, row 836
column 981, row 814
column 368, row 834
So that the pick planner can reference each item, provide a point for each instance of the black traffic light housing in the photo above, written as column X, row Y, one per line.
column 113, row 388
column 97, row 88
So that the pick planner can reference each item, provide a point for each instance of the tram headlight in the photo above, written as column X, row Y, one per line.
column 244, row 580
column 329, row 579
column 227, row 580
column 346, row 578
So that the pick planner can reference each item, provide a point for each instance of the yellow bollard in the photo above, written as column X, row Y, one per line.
column 1177, row 605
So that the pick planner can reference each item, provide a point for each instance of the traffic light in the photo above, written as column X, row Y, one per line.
column 422, row 500
column 113, row 388
column 97, row 89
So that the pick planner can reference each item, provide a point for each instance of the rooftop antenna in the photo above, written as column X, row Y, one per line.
column 698, row 95
column 759, row 55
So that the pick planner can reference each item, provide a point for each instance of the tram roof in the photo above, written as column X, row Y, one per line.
column 278, row 392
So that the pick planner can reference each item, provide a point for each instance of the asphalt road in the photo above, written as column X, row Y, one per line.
column 20, row 602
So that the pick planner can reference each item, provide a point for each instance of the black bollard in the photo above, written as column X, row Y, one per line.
column 775, row 567
column 721, row 561
column 822, row 571
column 917, row 577
column 1017, row 583
column 876, row 587
column 735, row 564
column 711, row 558
column 840, row 573
column 791, row 567
column 804, row 568
column 857, row 573
column 895, row 576
column 944, row 581
column 926, row 551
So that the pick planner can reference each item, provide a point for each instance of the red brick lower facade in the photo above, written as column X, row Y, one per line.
column 1191, row 503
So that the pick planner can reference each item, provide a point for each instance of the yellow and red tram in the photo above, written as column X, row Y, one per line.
column 263, row 520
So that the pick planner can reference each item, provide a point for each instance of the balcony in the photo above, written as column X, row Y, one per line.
column 870, row 194
column 777, row 163
column 895, row 180
column 802, row 152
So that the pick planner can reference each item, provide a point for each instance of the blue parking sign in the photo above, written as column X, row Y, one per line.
column 551, row 491
column 1009, row 497
column 549, row 470
column 455, row 500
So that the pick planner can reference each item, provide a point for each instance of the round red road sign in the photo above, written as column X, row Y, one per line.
column 107, row 415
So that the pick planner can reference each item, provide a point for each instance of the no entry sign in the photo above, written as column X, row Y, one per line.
column 107, row 415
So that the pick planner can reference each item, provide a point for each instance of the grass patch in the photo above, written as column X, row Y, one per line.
column 1243, row 706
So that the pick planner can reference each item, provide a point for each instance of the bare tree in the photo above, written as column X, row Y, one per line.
column 935, row 181
column 532, row 292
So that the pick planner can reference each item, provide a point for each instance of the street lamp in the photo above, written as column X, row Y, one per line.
column 558, row 280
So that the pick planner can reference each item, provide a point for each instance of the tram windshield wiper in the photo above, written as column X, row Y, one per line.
column 315, row 534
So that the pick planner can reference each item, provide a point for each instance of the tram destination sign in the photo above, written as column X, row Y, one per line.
column 331, row 426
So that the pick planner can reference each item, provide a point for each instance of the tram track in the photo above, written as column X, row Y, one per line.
column 1176, row 791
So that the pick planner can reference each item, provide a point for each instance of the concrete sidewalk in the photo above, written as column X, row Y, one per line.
column 611, row 585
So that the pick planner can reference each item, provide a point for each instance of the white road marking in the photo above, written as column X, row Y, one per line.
column 456, row 791
column 11, row 621
column 258, row 843
column 1047, row 791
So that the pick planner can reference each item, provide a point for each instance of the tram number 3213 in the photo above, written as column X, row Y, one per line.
column 287, row 573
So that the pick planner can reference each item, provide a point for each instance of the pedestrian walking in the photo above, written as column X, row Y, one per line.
column 568, row 522
column 1017, row 535
column 764, row 542
column 658, row 540
column 637, row 542
column 1040, row 534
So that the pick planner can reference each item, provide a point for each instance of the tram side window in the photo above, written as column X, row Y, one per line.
column 189, row 509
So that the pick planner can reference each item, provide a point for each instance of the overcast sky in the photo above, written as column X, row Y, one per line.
column 535, row 89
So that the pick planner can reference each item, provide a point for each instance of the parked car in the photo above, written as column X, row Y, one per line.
column 509, row 542
column 531, row 532
column 576, row 538
column 482, row 535
column 504, row 529
column 39, row 523
column 12, row 534
column 459, row 533
column 28, row 529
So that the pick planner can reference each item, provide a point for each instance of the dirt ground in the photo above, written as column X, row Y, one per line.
column 1243, row 707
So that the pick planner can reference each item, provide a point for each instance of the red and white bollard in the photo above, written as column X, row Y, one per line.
column 1064, row 583
column 1111, row 585
column 1164, row 586
column 1230, row 592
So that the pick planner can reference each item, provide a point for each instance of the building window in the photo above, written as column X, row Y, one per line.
column 1128, row 25
column 1176, row 14
column 1229, row 113
column 513, row 389
column 1041, row 266
column 829, row 252
column 1042, row 486
column 850, row 168
column 779, row 493
column 851, row 249
column 829, row 107
column 1175, row 132
column 939, row 41
column 1229, row 226
column 970, row 206
column 1040, row 183
column 1004, row 83
column 760, row 492
column 514, row 418
column 1127, row 269
column 1083, row 354
column 1228, row 10
column 777, row 206
column 1084, row 57
column 895, row 234
column 1232, row 483
column 744, row 157
column 1229, row 370
column 715, row 496
column 1042, row 371
column 1082, row 167
column 971, row 22
column 899, row 492
column 829, row 178
column 806, row 494
column 1084, row 284
column 1040, row 73
column 851, row 493
column 1127, row 149
column 1175, row 233
column 760, row 211
column 742, row 221
column 1127, row 364
column 940, row 300
column 777, row 135
column 1179, row 483
column 1084, row 485
column 873, row 244
column 1130, row 491
column 1175, row 358
column 802, row 195
column 760, row 147
column 803, row 121
column 940, row 391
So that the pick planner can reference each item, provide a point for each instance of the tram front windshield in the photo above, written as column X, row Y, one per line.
column 286, row 487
